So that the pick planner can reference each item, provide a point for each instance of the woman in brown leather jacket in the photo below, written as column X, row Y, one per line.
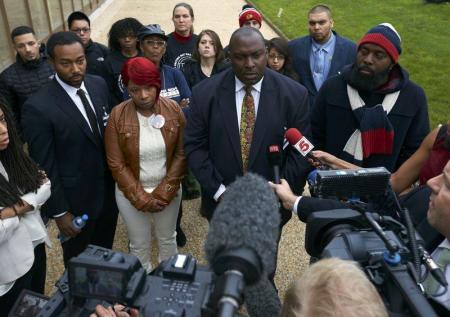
column 144, row 149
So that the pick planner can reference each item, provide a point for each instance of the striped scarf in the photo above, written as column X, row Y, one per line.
column 375, row 134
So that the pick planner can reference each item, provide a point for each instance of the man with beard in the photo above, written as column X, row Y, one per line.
column 372, row 114
column 321, row 54
column 30, row 72
column 64, row 124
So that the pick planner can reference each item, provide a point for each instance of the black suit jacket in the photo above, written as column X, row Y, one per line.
column 300, row 49
column 61, row 142
column 212, row 142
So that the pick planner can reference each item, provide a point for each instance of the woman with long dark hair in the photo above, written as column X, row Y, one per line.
column 280, row 59
column 208, row 58
column 23, row 189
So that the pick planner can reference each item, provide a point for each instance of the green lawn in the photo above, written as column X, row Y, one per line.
column 424, row 30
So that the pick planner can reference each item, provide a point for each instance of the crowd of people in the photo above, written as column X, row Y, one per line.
column 154, row 118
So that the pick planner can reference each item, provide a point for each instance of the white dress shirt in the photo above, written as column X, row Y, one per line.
column 72, row 92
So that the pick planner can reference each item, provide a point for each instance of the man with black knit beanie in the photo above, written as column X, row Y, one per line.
column 371, row 114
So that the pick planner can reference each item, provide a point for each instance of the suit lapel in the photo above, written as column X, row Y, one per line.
column 266, row 103
column 66, row 104
column 306, row 56
column 227, row 105
column 337, row 57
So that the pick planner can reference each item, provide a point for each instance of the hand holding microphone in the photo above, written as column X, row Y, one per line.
column 299, row 142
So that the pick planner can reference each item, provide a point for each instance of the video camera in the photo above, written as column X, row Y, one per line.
column 389, row 251
column 178, row 287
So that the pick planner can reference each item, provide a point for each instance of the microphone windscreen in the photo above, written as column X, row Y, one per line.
column 261, row 299
column 247, row 216
column 293, row 136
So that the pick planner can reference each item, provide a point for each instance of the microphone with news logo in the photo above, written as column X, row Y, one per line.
column 274, row 155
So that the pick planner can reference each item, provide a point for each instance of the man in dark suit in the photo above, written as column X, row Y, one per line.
column 237, row 114
column 63, row 124
column 322, row 53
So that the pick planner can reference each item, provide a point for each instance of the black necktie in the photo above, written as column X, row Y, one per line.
column 90, row 114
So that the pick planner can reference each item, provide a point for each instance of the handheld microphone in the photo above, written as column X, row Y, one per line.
column 303, row 146
column 300, row 143
column 274, row 154
column 241, row 245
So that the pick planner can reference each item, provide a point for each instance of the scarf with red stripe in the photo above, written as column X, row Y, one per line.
column 376, row 133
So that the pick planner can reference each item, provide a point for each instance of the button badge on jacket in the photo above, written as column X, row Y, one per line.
column 156, row 121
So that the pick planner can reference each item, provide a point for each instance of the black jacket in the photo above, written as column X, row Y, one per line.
column 96, row 54
column 193, row 72
column 20, row 80
column 61, row 142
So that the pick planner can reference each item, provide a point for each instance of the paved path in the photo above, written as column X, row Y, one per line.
column 221, row 16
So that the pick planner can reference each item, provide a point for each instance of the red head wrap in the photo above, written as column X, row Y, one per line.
column 141, row 71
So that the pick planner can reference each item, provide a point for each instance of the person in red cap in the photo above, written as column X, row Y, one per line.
column 144, row 150
column 372, row 114
column 250, row 17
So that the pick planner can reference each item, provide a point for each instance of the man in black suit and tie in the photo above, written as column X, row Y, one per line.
column 237, row 114
column 63, row 124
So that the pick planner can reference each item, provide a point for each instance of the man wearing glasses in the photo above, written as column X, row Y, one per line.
column 96, row 53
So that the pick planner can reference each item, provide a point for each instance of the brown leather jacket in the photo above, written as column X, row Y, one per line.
column 122, row 151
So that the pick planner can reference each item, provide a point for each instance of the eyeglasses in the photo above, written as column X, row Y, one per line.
column 279, row 57
column 154, row 43
column 83, row 30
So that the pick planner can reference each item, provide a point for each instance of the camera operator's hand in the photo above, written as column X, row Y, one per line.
column 64, row 224
column 117, row 311
column 332, row 161
column 285, row 194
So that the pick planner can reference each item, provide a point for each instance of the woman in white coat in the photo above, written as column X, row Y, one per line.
column 23, row 190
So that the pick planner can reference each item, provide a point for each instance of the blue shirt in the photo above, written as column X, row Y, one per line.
column 320, row 59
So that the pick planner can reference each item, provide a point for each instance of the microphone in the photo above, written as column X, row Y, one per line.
column 274, row 154
column 241, row 246
column 300, row 143
column 304, row 147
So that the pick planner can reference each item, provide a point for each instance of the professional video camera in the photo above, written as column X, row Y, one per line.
column 389, row 251
column 178, row 287
column 240, row 248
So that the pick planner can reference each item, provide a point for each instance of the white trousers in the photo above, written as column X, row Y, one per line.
column 138, row 225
